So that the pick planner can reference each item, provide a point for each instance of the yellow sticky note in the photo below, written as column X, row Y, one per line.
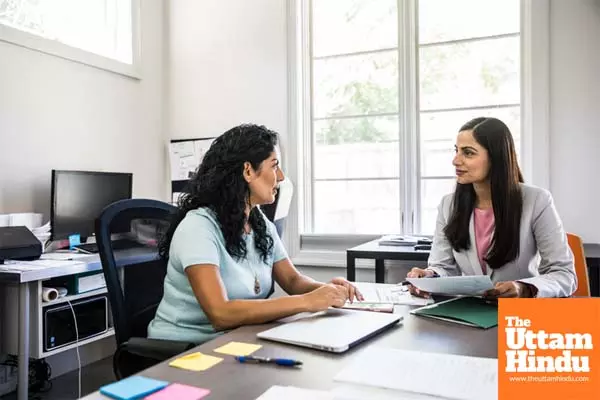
column 238, row 349
column 196, row 362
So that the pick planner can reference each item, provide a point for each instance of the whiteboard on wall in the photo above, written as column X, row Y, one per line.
column 185, row 155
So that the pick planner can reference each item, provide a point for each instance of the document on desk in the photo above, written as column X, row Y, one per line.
column 15, row 265
column 64, row 256
column 389, row 293
column 360, row 392
column 435, row 374
column 467, row 285
column 277, row 392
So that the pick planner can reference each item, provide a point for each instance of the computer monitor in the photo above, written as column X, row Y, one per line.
column 78, row 198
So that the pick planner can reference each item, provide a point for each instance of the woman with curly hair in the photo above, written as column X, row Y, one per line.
column 223, row 254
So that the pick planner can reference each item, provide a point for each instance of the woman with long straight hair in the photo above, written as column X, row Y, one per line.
column 496, row 225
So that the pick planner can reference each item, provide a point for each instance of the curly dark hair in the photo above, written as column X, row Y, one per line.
column 219, row 185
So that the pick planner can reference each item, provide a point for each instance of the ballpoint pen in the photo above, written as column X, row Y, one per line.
column 265, row 360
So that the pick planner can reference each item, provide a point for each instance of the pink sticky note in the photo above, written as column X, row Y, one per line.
column 179, row 392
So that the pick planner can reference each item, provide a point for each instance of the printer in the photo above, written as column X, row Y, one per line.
column 18, row 243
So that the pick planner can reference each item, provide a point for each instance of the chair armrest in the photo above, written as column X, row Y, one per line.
column 156, row 349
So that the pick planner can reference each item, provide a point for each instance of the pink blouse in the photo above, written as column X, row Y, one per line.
column 484, row 232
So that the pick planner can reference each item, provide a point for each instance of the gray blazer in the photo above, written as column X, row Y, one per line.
column 544, row 261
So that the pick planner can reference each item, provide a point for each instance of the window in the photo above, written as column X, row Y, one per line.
column 389, row 84
column 96, row 32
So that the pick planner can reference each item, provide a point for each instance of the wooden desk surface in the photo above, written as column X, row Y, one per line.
column 232, row 380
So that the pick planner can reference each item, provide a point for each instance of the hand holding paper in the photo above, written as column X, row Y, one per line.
column 468, row 285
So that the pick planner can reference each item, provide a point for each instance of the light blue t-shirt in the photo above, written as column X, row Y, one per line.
column 198, row 240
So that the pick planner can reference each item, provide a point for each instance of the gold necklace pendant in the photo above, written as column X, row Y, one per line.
column 256, row 285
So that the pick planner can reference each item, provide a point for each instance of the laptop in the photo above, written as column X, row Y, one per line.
column 335, row 330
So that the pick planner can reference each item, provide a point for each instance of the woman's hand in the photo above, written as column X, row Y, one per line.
column 419, row 273
column 509, row 289
column 353, row 292
column 325, row 296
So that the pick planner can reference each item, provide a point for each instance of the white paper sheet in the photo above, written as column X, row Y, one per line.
column 295, row 393
column 361, row 392
column 39, row 264
column 435, row 374
column 468, row 285
column 389, row 293
column 64, row 256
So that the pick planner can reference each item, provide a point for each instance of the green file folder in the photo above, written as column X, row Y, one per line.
column 472, row 311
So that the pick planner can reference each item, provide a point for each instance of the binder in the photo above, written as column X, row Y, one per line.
column 471, row 311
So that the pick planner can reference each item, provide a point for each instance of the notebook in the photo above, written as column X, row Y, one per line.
column 134, row 387
column 336, row 330
column 471, row 311
column 179, row 392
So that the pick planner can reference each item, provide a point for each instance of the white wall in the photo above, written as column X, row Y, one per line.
column 575, row 114
column 56, row 113
column 60, row 114
column 227, row 65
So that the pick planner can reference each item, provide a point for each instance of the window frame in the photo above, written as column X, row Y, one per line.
column 329, row 250
column 55, row 48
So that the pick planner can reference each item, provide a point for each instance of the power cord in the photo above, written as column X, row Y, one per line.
column 76, row 349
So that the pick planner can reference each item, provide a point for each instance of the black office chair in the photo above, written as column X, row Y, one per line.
column 135, row 300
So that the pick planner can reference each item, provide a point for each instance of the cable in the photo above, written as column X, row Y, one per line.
column 76, row 348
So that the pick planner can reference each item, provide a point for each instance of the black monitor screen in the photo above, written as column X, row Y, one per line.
column 78, row 198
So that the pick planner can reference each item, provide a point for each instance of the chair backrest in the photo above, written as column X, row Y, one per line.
column 278, row 211
column 583, row 283
column 134, row 300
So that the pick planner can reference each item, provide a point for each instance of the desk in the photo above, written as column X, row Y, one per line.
column 28, row 282
column 372, row 250
column 231, row 380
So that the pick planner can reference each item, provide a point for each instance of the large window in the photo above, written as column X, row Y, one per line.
column 102, row 33
column 390, row 83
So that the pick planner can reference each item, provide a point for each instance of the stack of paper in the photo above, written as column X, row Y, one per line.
column 398, row 240
column 433, row 374
column 195, row 362
column 389, row 293
column 15, row 265
column 134, row 387
column 137, row 387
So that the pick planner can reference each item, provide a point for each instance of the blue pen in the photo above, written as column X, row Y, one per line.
column 264, row 360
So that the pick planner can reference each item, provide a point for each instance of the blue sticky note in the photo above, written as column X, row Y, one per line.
column 74, row 240
column 134, row 387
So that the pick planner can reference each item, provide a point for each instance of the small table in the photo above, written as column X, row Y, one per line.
column 373, row 250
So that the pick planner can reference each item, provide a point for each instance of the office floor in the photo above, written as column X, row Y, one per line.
column 65, row 386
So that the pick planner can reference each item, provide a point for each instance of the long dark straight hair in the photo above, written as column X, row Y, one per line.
column 507, row 201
